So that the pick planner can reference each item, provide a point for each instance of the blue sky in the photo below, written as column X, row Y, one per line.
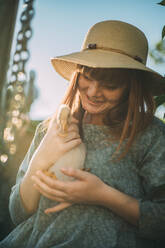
column 59, row 27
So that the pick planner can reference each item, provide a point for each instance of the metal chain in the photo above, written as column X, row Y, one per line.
column 16, row 109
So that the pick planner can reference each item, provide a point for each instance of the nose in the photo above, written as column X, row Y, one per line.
column 94, row 89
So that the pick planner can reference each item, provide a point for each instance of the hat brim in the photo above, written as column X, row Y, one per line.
column 97, row 58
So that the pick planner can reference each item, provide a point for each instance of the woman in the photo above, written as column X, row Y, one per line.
column 120, row 202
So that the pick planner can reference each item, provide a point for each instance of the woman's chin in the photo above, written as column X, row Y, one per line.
column 93, row 109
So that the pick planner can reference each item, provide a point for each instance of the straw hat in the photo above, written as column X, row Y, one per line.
column 111, row 44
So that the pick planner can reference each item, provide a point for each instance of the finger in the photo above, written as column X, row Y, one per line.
column 41, row 185
column 76, row 173
column 53, row 121
column 72, row 143
column 71, row 136
column 74, row 120
column 58, row 208
column 53, row 183
column 73, row 127
column 54, row 198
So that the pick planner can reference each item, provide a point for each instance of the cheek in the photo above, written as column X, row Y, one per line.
column 82, row 86
column 112, row 95
column 81, row 91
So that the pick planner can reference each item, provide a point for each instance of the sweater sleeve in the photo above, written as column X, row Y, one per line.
column 152, row 207
column 16, row 208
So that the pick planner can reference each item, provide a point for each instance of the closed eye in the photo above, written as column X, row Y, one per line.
column 87, row 78
column 108, row 86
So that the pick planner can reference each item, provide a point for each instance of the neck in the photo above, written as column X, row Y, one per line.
column 93, row 119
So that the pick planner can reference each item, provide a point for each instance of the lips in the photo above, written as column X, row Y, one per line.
column 95, row 103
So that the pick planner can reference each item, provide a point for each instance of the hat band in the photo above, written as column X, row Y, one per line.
column 94, row 46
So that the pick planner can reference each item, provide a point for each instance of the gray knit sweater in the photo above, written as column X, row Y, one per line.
column 141, row 174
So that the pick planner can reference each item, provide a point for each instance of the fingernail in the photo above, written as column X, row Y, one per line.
column 47, row 213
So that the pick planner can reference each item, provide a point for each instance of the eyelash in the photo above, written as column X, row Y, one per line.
column 86, row 77
column 110, row 87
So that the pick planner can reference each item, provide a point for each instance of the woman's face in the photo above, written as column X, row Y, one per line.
column 97, row 98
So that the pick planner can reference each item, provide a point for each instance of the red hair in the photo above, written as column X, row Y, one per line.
column 130, row 116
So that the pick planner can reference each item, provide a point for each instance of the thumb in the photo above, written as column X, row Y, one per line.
column 76, row 173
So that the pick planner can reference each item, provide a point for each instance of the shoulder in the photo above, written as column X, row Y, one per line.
column 155, row 130
column 157, row 123
column 152, row 137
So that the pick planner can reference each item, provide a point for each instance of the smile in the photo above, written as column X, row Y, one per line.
column 95, row 102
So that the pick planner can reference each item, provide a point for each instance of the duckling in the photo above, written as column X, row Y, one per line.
column 72, row 159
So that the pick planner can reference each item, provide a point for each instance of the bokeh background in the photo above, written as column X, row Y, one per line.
column 59, row 27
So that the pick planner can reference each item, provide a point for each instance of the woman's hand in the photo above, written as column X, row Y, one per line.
column 87, row 188
column 48, row 152
column 53, row 146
